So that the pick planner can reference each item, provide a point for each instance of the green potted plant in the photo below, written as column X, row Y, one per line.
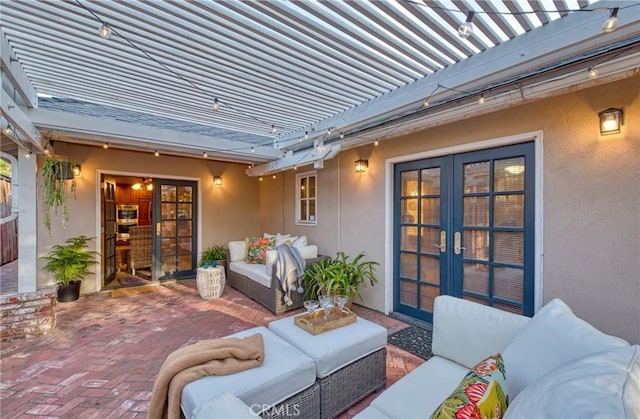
column 54, row 174
column 69, row 264
column 213, row 255
column 340, row 276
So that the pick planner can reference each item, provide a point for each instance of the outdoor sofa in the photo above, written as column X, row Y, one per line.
column 258, row 281
column 556, row 366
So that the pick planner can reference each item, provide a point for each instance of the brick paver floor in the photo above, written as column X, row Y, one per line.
column 104, row 355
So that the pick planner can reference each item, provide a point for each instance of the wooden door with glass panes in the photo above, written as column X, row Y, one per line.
column 174, row 218
column 464, row 226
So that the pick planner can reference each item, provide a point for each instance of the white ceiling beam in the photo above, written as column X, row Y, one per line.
column 15, row 74
column 20, row 122
column 144, row 137
column 291, row 160
column 559, row 40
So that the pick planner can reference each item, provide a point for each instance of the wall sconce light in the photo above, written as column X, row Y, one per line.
column 217, row 180
column 76, row 170
column 610, row 121
column 361, row 165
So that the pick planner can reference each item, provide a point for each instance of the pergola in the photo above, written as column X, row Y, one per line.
column 287, row 83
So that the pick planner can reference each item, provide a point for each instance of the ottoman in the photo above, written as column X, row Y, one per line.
column 283, row 386
column 350, row 360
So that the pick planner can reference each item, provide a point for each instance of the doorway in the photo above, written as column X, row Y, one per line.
column 147, row 230
column 464, row 226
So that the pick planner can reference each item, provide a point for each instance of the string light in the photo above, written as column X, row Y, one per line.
column 204, row 154
column 156, row 153
column 253, row 150
column 593, row 73
column 342, row 135
column 216, row 104
column 260, row 179
column 466, row 29
column 611, row 24
column 105, row 31
column 28, row 155
column 376, row 143
column 274, row 176
column 8, row 130
column 482, row 100
column 105, row 146
column 273, row 129
column 306, row 135
column 426, row 103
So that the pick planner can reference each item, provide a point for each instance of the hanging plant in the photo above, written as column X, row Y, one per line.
column 53, row 187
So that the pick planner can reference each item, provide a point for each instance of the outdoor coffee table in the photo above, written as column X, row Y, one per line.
column 350, row 360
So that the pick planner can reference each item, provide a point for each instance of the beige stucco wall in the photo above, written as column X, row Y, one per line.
column 590, row 202
column 228, row 212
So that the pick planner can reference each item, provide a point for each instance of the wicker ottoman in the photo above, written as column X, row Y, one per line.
column 350, row 361
column 283, row 386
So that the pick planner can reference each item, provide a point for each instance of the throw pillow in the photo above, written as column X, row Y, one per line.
column 482, row 393
column 257, row 249
column 602, row 385
column 300, row 242
column 554, row 337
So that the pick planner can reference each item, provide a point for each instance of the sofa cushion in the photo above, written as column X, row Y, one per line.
column 467, row 332
column 253, row 271
column 483, row 392
column 602, row 385
column 419, row 393
column 554, row 337
column 286, row 371
column 237, row 250
column 257, row 249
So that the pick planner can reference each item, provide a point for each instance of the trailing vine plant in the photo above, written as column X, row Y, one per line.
column 53, row 187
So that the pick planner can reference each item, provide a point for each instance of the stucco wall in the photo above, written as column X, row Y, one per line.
column 591, row 199
column 227, row 212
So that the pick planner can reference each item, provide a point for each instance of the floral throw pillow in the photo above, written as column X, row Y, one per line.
column 482, row 393
column 257, row 249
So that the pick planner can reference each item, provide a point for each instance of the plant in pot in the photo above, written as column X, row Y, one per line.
column 340, row 276
column 54, row 174
column 213, row 255
column 69, row 264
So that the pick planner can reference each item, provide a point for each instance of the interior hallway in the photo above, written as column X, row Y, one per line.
column 102, row 359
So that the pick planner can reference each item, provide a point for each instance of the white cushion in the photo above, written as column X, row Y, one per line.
column 371, row 413
column 308, row 252
column 418, row 394
column 300, row 242
column 602, row 385
column 286, row 371
column 237, row 250
column 224, row 406
column 334, row 349
column 468, row 332
column 554, row 337
column 254, row 271
column 282, row 239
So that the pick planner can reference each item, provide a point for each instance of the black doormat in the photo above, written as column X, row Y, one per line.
column 413, row 339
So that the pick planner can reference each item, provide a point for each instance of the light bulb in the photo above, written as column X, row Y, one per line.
column 105, row 146
column 466, row 29
column 216, row 104
column 253, row 150
column 7, row 130
column 342, row 135
column 306, row 135
column 376, row 143
column 611, row 24
column 105, row 31
column 204, row 154
column 482, row 100
column 28, row 155
column 426, row 104
column 273, row 129
column 156, row 153
column 593, row 73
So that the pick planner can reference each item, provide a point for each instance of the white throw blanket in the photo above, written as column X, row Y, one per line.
column 289, row 269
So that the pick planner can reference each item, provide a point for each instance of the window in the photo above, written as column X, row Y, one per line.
column 306, row 199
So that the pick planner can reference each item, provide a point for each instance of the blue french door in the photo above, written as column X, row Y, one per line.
column 464, row 226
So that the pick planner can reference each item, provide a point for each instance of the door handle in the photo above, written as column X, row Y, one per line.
column 456, row 243
column 443, row 242
column 158, row 229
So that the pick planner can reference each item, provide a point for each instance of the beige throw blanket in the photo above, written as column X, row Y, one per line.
column 207, row 357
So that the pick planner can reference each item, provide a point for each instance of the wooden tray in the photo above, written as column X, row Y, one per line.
column 315, row 323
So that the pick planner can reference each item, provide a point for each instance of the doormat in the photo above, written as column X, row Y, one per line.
column 133, row 280
column 414, row 340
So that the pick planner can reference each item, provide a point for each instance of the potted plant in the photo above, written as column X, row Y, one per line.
column 54, row 174
column 213, row 255
column 340, row 276
column 69, row 264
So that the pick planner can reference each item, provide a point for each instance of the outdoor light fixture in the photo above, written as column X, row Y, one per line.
column 466, row 29
column 76, row 170
column 216, row 104
column 361, row 165
column 217, row 180
column 611, row 24
column 593, row 73
column 610, row 121
column 105, row 31
column 8, row 130
column 28, row 155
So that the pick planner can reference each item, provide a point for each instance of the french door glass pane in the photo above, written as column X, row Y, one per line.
column 509, row 283
column 476, row 244
column 409, row 238
column 408, row 266
column 509, row 175
column 430, row 181
column 476, row 211
column 409, row 293
column 430, row 239
column 427, row 296
column 430, row 269
column 409, row 183
column 508, row 247
column 508, row 211
column 430, row 211
column 476, row 278
column 476, row 177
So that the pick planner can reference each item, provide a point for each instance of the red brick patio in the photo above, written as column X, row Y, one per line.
column 102, row 359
